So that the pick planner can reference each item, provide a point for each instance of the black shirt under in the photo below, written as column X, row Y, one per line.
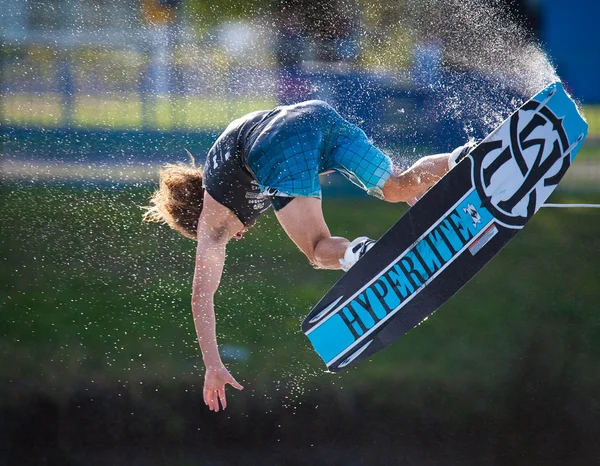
column 227, row 177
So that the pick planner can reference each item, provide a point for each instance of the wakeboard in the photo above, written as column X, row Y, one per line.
column 447, row 237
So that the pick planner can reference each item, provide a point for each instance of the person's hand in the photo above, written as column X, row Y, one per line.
column 214, row 386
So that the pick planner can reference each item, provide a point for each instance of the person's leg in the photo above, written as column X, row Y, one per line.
column 369, row 168
column 355, row 156
column 404, row 186
column 302, row 220
column 409, row 185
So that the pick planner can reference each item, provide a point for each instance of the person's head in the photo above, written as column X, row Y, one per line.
column 178, row 201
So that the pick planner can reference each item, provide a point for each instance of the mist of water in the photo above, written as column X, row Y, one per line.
column 484, row 37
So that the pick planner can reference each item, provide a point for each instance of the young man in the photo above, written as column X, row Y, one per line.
column 274, row 158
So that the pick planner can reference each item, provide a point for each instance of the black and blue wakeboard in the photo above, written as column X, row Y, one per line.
column 451, row 233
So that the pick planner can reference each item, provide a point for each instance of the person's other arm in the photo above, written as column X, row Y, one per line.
column 215, row 228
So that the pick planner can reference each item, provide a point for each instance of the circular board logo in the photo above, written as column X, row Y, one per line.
column 519, row 167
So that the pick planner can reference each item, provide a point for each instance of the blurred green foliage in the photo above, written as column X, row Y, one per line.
column 207, row 14
column 89, row 293
column 127, row 111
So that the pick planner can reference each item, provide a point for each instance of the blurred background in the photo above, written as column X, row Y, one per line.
column 99, row 362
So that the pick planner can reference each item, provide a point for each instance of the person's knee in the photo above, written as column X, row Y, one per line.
column 320, row 104
column 312, row 254
column 400, row 187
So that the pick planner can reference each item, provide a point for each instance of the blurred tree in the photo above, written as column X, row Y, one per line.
column 161, row 15
column 207, row 14
column 386, row 37
column 160, row 12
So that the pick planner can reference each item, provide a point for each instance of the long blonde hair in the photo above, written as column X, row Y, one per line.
column 179, row 199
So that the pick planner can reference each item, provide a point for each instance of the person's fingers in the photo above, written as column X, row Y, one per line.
column 210, row 395
column 234, row 383
column 215, row 402
column 208, row 401
column 214, row 393
column 221, row 395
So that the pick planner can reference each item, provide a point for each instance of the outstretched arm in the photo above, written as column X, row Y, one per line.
column 214, row 231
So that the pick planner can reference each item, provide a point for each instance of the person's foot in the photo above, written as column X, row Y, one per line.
column 459, row 154
column 355, row 251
